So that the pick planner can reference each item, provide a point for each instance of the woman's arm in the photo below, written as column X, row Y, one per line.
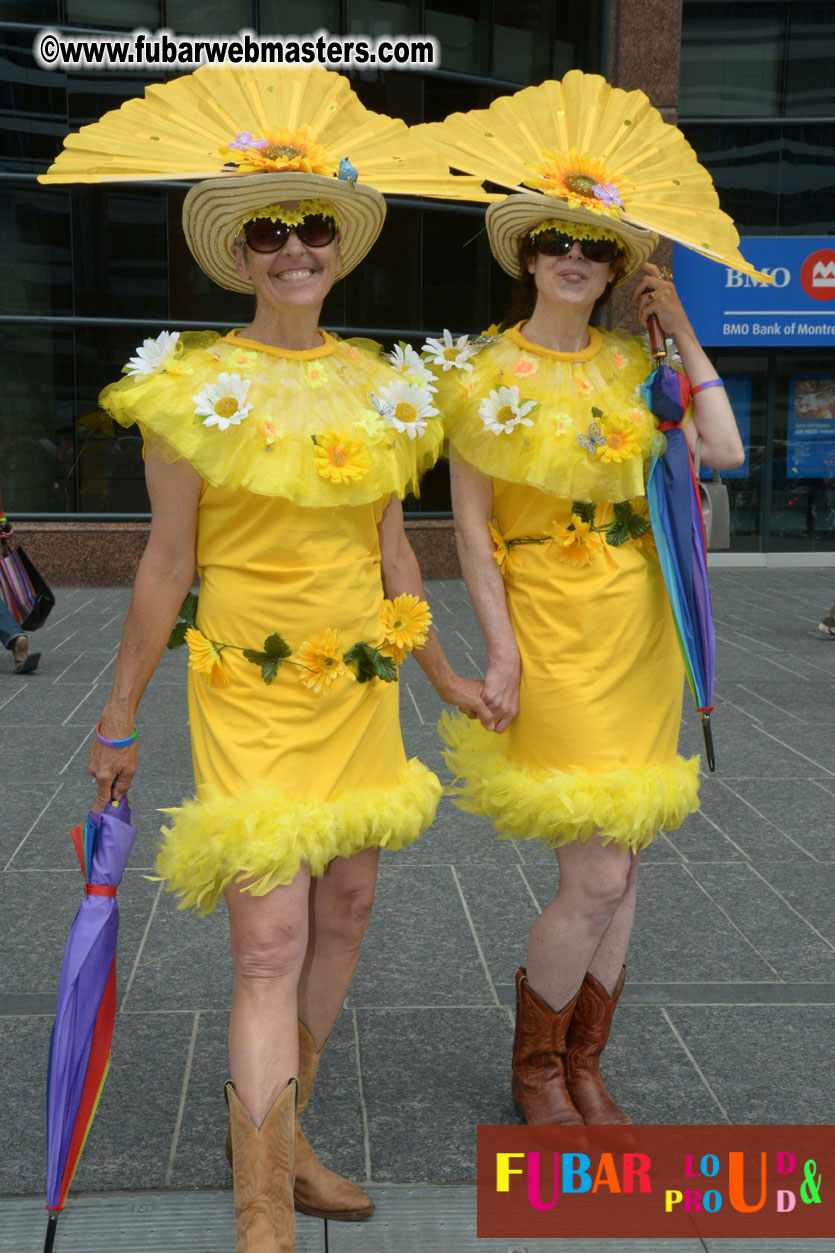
column 165, row 574
column 472, row 504
column 401, row 574
column 713, row 418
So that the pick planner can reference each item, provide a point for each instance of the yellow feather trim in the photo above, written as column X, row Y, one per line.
column 628, row 806
column 273, row 405
column 545, row 451
column 265, row 837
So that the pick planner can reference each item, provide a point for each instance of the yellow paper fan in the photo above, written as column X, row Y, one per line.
column 599, row 148
column 200, row 126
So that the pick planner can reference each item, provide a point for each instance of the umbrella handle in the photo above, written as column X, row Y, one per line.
column 51, row 1226
column 708, row 734
column 657, row 341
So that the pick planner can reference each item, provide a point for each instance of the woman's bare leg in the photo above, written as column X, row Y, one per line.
column 583, row 925
column 269, row 938
column 339, row 912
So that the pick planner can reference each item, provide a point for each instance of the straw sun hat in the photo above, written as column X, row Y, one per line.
column 510, row 220
column 214, row 210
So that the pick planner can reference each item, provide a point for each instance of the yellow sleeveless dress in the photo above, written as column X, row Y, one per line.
column 286, row 773
column 593, row 747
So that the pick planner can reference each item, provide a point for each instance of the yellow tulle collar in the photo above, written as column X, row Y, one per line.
column 336, row 425
column 571, row 424
column 594, row 345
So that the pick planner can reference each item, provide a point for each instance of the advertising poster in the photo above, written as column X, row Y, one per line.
column 810, row 452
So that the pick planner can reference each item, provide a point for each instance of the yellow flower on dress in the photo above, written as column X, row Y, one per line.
column 243, row 358
column 578, row 543
column 646, row 541
column 405, row 623
column 340, row 458
column 635, row 416
column 618, row 360
column 525, row 367
column 205, row 658
column 316, row 374
column 581, row 383
column 350, row 352
column 621, row 440
column 563, row 423
column 321, row 657
column 270, row 434
column 503, row 555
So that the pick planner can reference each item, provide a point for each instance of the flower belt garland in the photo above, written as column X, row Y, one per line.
column 580, row 541
column 404, row 625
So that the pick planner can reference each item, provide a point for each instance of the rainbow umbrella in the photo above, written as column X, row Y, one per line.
column 79, row 1051
column 679, row 532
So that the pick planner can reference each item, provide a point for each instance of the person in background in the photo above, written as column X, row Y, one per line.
column 11, row 636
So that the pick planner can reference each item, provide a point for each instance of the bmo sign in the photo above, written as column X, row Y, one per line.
column 796, row 309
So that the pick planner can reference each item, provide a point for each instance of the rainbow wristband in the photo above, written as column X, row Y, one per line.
column 695, row 388
column 115, row 743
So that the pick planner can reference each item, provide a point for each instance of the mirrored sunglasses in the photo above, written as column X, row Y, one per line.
column 558, row 244
column 314, row 231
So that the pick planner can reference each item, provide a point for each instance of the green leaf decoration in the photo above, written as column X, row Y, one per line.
column 370, row 663
column 275, row 646
column 270, row 669
column 188, row 609
column 638, row 525
column 178, row 636
column 584, row 509
column 624, row 511
column 617, row 534
column 596, row 413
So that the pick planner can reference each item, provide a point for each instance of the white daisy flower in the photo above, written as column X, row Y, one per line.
column 405, row 406
column 222, row 404
column 151, row 356
column 408, row 363
column 450, row 353
column 502, row 410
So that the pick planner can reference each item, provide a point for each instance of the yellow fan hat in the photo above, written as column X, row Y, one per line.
column 260, row 136
column 587, row 148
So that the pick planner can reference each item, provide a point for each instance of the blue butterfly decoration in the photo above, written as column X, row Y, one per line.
column 347, row 172
column 593, row 440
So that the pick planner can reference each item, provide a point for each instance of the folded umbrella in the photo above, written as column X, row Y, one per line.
column 79, row 1051
column 678, row 528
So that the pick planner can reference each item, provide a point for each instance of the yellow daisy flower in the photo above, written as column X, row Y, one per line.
column 582, row 181
column 621, row 440
column 339, row 458
column 205, row 657
column 405, row 623
column 321, row 657
column 316, row 374
column 282, row 149
column 503, row 555
column 578, row 543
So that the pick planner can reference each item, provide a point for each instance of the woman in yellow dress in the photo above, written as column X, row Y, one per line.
column 550, row 444
column 276, row 457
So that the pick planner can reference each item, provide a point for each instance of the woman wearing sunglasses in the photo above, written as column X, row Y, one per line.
column 550, row 444
column 277, row 456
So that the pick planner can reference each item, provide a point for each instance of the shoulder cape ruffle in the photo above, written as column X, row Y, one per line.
column 559, row 445
column 286, row 410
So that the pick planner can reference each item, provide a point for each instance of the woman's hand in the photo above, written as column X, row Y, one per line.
column 112, row 768
column 654, row 294
column 500, row 691
column 465, row 694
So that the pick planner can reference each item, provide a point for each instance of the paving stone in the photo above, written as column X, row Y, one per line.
column 185, row 962
column 808, row 889
column 419, row 949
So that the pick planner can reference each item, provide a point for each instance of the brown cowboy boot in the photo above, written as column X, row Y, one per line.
column 318, row 1190
column 265, row 1159
column 538, row 1083
column 587, row 1038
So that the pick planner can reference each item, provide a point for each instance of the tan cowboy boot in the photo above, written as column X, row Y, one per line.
column 587, row 1036
column 538, row 1083
column 264, row 1163
column 319, row 1191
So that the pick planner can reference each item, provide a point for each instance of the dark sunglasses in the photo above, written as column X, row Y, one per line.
column 558, row 244
column 314, row 231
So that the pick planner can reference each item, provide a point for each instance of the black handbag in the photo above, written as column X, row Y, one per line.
column 44, row 601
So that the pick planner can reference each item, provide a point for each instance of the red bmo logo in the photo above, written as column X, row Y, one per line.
column 818, row 274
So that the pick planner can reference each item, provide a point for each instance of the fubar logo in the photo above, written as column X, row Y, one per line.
column 817, row 274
